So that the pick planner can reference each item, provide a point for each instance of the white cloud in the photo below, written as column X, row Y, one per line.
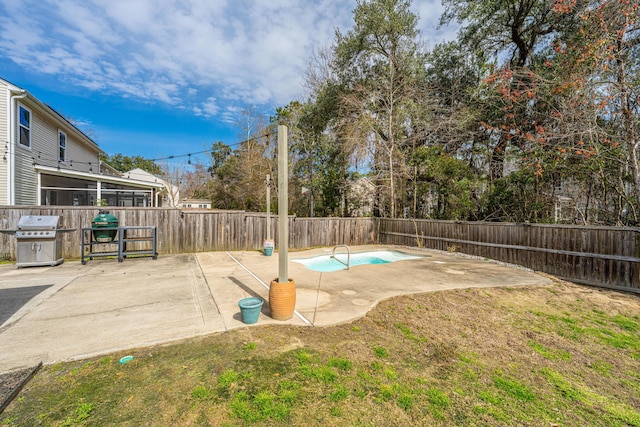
column 230, row 114
column 209, row 57
column 207, row 108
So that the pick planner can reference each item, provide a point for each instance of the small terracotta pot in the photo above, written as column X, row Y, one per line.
column 282, row 299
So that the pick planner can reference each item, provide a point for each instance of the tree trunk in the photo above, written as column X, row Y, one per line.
column 633, row 145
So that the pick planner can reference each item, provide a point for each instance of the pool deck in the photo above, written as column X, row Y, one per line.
column 74, row 311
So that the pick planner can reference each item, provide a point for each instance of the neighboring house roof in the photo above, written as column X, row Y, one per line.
column 142, row 175
column 172, row 195
column 364, row 183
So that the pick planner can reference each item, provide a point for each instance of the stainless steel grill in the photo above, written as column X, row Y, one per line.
column 39, row 240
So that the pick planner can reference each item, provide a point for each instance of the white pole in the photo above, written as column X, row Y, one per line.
column 268, row 207
column 283, row 202
column 39, row 192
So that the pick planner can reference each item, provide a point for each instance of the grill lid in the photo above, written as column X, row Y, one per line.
column 38, row 222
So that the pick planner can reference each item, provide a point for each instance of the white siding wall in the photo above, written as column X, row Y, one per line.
column 80, row 155
column 44, row 140
column 45, row 145
column 41, row 152
column 4, row 139
column 44, row 151
column 26, row 178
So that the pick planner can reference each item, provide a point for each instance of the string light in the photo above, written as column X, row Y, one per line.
column 264, row 135
column 43, row 156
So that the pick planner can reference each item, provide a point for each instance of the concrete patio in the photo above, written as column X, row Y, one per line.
column 74, row 311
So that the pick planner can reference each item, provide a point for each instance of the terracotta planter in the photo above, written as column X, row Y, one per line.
column 282, row 299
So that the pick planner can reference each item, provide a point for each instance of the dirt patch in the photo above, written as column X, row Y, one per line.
column 12, row 382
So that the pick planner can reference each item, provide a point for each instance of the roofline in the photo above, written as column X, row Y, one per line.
column 96, row 177
column 49, row 110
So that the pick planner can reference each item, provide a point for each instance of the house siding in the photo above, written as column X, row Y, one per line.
column 40, row 152
column 83, row 160
column 4, row 134
column 25, row 178
column 73, row 180
column 44, row 152
column 44, row 141
column 45, row 146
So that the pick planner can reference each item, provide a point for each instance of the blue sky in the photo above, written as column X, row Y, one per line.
column 160, row 78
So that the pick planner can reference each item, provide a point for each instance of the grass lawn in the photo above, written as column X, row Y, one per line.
column 560, row 355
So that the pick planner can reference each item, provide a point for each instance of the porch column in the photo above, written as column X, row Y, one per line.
column 39, row 190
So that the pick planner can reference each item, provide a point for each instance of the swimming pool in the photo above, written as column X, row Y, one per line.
column 326, row 263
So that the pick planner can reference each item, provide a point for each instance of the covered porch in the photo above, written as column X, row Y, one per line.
column 72, row 188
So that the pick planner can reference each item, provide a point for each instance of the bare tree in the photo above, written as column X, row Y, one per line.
column 172, row 174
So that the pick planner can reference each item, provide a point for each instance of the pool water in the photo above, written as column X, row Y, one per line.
column 326, row 263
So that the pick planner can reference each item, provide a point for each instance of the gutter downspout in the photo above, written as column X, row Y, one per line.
column 11, row 173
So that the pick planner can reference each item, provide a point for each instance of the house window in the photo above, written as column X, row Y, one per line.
column 25, row 127
column 62, row 146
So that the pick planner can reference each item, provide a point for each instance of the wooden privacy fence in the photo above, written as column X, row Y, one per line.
column 601, row 256
column 235, row 231
column 194, row 230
